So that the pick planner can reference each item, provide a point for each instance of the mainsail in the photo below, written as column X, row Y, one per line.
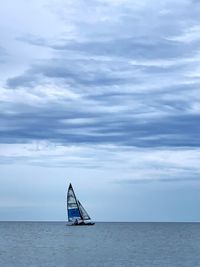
column 72, row 206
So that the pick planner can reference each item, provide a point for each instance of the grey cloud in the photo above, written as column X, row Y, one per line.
column 94, row 72
column 3, row 55
column 131, row 48
column 25, row 80
column 194, row 178
column 99, row 67
column 33, row 40
column 76, row 72
column 42, row 124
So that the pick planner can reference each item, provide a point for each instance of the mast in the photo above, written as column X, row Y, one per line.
column 68, row 201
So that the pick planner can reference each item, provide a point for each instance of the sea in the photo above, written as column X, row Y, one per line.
column 53, row 244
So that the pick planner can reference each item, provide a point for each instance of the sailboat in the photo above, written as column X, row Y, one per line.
column 77, row 215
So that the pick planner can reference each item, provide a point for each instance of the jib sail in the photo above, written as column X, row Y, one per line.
column 83, row 212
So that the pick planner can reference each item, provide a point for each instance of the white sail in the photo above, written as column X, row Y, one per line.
column 83, row 212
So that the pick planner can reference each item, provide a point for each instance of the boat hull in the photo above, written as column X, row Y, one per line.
column 81, row 224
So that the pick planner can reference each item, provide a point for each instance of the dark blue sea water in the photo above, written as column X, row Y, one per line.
column 46, row 244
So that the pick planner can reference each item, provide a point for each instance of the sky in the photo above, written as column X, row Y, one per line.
column 103, row 94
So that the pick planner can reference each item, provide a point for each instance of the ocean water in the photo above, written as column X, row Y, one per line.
column 53, row 244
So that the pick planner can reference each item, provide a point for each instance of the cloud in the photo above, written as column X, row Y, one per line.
column 160, row 180
column 106, row 93
column 125, row 165
column 2, row 55
column 120, row 74
column 189, row 36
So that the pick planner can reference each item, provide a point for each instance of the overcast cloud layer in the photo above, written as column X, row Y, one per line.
column 105, row 85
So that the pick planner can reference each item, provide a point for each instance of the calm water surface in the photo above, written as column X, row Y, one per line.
column 27, row 244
